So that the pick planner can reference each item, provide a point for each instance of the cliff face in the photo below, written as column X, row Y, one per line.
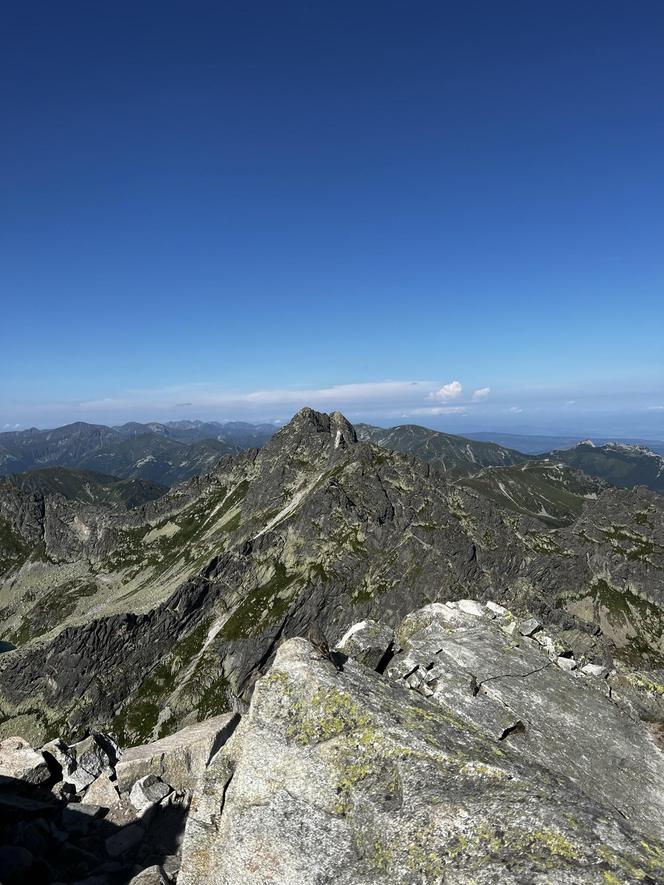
column 149, row 618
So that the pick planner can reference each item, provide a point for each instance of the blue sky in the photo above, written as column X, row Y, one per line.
column 226, row 210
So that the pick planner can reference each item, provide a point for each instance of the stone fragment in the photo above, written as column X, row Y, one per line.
column 471, row 607
column 147, row 791
column 529, row 626
column 511, row 628
column 498, row 610
column 154, row 875
column 180, row 758
column 594, row 670
column 20, row 761
column 62, row 756
column 367, row 642
column 124, row 840
column 93, row 755
column 567, row 664
column 101, row 791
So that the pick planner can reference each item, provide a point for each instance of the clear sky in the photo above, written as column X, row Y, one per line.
column 450, row 213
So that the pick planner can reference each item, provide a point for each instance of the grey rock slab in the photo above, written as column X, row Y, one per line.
column 595, row 670
column 497, row 609
column 153, row 875
column 125, row 840
column 20, row 761
column 62, row 755
column 101, row 791
column 367, row 642
column 148, row 790
column 354, row 779
column 471, row 607
column 568, row 726
column 529, row 627
column 77, row 818
column 180, row 758
column 94, row 755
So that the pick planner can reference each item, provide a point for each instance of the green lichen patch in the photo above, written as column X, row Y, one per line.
column 327, row 714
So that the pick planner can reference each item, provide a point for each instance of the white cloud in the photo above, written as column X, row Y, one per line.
column 437, row 410
column 453, row 390
column 515, row 410
column 377, row 399
column 655, row 409
column 481, row 393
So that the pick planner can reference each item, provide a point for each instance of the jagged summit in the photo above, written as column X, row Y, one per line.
column 308, row 420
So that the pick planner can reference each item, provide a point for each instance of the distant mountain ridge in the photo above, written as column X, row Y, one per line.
column 86, row 486
column 456, row 455
column 619, row 464
column 163, row 453
column 540, row 444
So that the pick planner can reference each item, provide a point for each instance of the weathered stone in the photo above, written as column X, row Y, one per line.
column 614, row 760
column 147, row 791
column 101, row 791
column 125, row 840
column 153, row 875
column 180, row 758
column 93, row 755
column 595, row 670
column 510, row 627
column 529, row 627
column 62, row 756
column 20, row 761
column 567, row 664
column 353, row 779
column 367, row 642
column 498, row 610
column 471, row 607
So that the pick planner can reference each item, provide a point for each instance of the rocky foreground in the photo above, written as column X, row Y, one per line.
column 466, row 746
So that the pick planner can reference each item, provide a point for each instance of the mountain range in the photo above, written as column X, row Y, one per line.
column 163, row 453
column 142, row 620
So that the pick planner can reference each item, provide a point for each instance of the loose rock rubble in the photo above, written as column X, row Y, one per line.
column 67, row 816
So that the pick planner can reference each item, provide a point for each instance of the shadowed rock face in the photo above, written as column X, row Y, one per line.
column 356, row 779
column 192, row 593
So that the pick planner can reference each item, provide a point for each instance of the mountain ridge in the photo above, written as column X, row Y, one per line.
column 190, row 595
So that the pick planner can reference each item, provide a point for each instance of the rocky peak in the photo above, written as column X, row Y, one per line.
column 310, row 423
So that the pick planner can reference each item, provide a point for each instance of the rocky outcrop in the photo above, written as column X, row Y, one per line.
column 180, row 758
column 355, row 778
column 18, row 760
column 474, row 749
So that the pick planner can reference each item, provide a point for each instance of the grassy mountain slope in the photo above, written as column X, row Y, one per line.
column 548, row 491
column 620, row 465
column 456, row 455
